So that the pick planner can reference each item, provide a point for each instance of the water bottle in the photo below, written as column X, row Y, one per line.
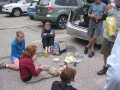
column 75, row 64
column 81, row 56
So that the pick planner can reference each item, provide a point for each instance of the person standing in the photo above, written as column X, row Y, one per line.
column 17, row 48
column 108, row 41
column 95, row 13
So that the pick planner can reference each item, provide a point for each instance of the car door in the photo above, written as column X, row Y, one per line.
column 25, row 5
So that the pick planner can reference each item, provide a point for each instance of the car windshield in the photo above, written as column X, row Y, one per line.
column 33, row 3
column 44, row 2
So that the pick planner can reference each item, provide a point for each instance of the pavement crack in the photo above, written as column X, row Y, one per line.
column 31, row 29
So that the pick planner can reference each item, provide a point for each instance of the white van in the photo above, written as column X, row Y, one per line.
column 16, row 9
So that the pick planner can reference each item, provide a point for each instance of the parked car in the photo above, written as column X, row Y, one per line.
column 55, row 11
column 16, row 9
column 31, row 9
column 78, row 22
column 4, row 2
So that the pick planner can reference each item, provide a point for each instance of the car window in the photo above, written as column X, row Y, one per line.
column 71, row 2
column 59, row 2
column 3, row 0
column 14, row 0
column 44, row 2
column 33, row 3
column 28, row 1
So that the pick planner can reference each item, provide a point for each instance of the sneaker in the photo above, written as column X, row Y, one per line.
column 86, row 50
column 2, row 65
column 91, row 54
column 103, row 71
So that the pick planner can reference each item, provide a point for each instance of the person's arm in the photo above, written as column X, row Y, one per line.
column 109, row 6
column 43, row 34
column 90, row 12
column 23, row 44
column 14, row 51
column 51, row 34
column 32, row 69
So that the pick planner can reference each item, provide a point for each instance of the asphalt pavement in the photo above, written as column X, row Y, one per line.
column 86, row 77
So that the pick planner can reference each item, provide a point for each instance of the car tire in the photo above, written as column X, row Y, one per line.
column 16, row 12
column 43, row 23
column 61, row 22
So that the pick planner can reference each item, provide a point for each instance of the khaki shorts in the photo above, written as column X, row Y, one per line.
column 106, row 47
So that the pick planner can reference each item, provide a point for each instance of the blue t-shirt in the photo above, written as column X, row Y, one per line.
column 97, row 9
column 17, row 48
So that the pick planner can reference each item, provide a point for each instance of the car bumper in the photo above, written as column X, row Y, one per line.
column 81, row 32
column 7, row 10
column 47, row 18
column 31, row 14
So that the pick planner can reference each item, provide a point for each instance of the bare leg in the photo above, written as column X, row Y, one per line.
column 46, row 48
column 49, row 49
column 15, row 65
column 105, row 59
column 61, row 69
column 92, row 41
column 92, row 47
column 89, row 41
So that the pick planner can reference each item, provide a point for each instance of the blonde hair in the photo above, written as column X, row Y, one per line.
column 47, row 24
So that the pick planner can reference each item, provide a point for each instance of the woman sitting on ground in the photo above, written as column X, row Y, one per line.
column 47, row 36
column 66, row 76
column 30, row 73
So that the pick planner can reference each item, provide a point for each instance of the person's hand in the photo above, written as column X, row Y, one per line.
column 51, row 33
column 115, row 34
column 97, row 18
column 42, row 66
column 45, row 34
column 92, row 16
column 34, row 57
column 109, row 6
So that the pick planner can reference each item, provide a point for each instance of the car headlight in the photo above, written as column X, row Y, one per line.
column 8, row 6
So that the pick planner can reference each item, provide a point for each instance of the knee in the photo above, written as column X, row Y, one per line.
column 17, row 68
column 94, row 37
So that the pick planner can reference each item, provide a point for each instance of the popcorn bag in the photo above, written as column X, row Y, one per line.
column 59, row 47
column 111, row 25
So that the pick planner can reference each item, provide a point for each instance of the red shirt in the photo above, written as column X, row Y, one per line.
column 27, row 68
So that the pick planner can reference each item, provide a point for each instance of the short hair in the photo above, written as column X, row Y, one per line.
column 67, row 75
column 30, row 51
column 19, row 32
column 47, row 24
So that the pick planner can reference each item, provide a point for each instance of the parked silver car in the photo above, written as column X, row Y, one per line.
column 78, row 22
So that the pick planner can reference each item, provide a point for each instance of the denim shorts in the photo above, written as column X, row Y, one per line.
column 13, row 59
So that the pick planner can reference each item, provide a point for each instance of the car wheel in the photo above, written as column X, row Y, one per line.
column 61, row 23
column 16, row 12
column 43, row 23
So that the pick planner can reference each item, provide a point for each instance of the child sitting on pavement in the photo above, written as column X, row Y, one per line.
column 47, row 36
